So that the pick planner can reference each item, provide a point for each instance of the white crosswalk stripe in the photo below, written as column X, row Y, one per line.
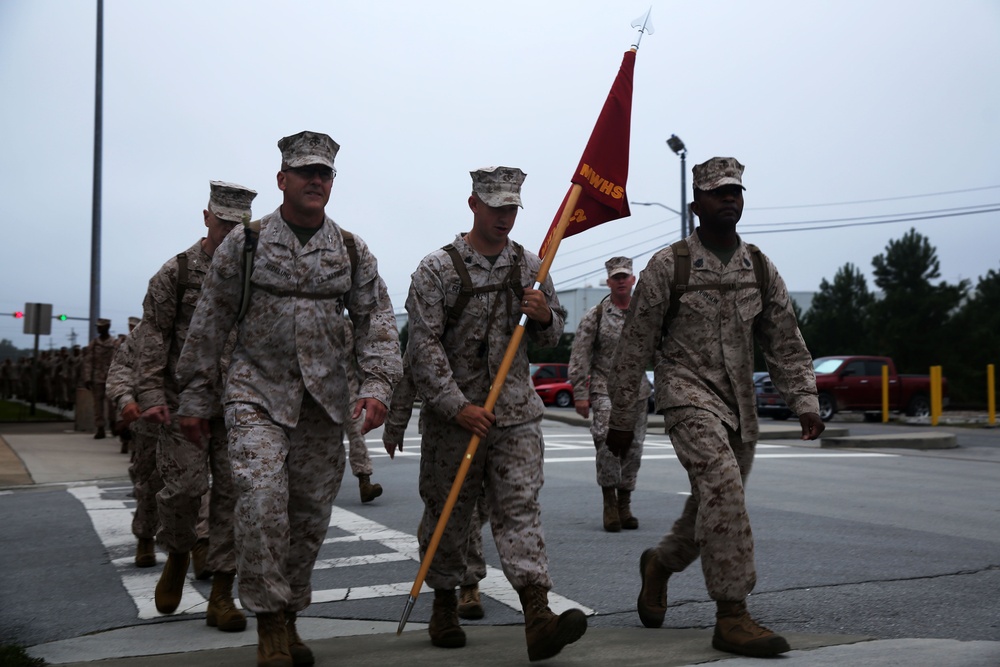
column 112, row 519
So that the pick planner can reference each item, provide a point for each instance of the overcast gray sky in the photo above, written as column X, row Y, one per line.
column 840, row 110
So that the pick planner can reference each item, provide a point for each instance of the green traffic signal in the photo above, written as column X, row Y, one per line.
column 61, row 318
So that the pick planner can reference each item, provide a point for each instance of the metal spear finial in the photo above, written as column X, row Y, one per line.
column 643, row 24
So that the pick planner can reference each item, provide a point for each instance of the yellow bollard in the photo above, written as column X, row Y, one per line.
column 991, row 395
column 935, row 395
column 885, row 394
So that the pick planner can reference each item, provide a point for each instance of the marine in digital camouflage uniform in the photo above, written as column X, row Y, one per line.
column 184, row 465
column 453, row 366
column 357, row 447
column 96, row 360
column 284, row 393
column 704, row 389
column 146, row 481
column 589, row 367
column 470, row 604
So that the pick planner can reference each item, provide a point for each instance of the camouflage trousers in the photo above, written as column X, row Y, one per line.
column 286, row 480
column 612, row 471
column 102, row 406
column 507, row 470
column 357, row 448
column 184, row 468
column 475, row 561
column 714, row 523
column 146, row 480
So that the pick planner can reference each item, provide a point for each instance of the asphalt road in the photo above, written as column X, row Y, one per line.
column 884, row 543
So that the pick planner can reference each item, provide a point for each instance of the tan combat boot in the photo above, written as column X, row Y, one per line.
column 652, row 603
column 737, row 632
column 301, row 655
column 628, row 521
column 546, row 633
column 469, row 604
column 272, row 640
column 199, row 559
column 222, row 612
column 145, row 552
column 171, row 584
column 369, row 491
column 612, row 523
column 444, row 629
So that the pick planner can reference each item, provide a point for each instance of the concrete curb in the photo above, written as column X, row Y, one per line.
column 780, row 431
column 923, row 440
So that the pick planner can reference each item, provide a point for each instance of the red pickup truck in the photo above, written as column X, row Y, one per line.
column 855, row 383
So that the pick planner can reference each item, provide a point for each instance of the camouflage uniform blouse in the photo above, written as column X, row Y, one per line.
column 166, row 323
column 292, row 337
column 454, row 366
column 97, row 359
column 120, row 387
column 594, row 350
column 705, row 359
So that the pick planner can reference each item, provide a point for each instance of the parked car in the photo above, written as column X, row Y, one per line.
column 547, row 373
column 769, row 401
column 558, row 393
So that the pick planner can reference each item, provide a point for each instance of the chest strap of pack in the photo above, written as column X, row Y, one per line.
column 250, row 249
column 680, row 286
column 466, row 291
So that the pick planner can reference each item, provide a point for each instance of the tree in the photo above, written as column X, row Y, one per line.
column 8, row 351
column 838, row 322
column 975, row 342
column 912, row 321
column 558, row 354
column 404, row 337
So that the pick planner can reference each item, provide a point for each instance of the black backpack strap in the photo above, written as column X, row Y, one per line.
column 466, row 290
column 352, row 251
column 252, row 233
column 682, row 273
column 182, row 278
column 512, row 283
column 597, row 328
column 759, row 270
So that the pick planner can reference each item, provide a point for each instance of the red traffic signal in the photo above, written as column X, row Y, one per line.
column 18, row 314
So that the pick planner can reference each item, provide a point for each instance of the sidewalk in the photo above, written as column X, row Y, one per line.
column 55, row 454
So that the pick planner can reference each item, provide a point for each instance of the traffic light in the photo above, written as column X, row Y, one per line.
column 18, row 314
column 61, row 318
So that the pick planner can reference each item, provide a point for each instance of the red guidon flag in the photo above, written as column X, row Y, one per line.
column 603, row 169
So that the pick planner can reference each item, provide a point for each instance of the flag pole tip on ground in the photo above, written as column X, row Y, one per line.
column 406, row 614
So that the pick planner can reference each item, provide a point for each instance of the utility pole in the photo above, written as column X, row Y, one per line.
column 95, row 227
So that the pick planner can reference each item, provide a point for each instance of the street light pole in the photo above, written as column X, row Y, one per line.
column 677, row 146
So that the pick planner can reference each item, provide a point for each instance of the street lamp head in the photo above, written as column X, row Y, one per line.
column 676, row 145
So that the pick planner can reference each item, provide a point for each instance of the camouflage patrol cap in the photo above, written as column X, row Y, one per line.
column 498, row 186
column 618, row 265
column 133, row 321
column 230, row 202
column 717, row 172
column 306, row 148
column 103, row 322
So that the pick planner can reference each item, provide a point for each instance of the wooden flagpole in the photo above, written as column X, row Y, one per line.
column 491, row 400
